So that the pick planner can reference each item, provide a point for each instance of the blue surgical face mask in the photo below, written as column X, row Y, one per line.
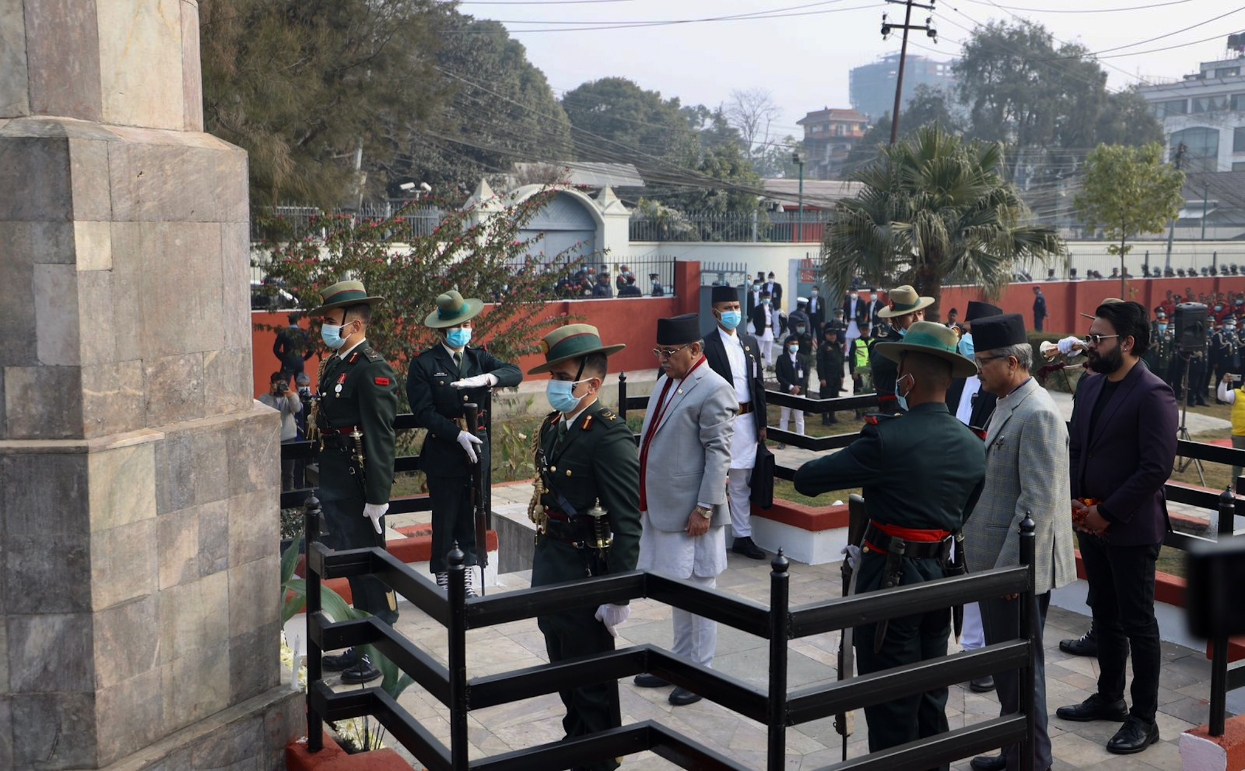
column 966, row 345
column 731, row 319
column 815, row 293
column 458, row 337
column 331, row 335
column 558, row 392
column 800, row 329
column 1162, row 327
column 793, row 349
column 903, row 398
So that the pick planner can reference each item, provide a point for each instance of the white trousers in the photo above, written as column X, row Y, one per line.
column 783, row 421
column 738, row 492
column 696, row 637
column 972, row 636
column 766, row 344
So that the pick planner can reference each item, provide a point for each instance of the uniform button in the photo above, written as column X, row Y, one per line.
column 464, row 398
column 568, row 472
column 554, row 469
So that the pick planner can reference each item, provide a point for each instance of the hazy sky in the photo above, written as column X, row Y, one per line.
column 803, row 54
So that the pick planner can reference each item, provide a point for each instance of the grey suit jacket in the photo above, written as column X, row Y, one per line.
column 690, row 451
column 1026, row 470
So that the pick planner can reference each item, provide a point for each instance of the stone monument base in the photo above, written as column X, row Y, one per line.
column 250, row 735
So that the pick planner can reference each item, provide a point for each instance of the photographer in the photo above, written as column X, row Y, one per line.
column 286, row 402
column 1231, row 392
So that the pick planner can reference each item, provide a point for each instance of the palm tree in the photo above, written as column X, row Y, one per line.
column 934, row 207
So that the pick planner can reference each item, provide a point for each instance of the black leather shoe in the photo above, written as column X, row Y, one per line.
column 362, row 672
column 988, row 763
column 681, row 697
column 1094, row 708
column 1085, row 645
column 645, row 680
column 981, row 684
column 1134, row 736
column 344, row 660
column 746, row 547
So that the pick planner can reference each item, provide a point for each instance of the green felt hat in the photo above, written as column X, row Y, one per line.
column 343, row 294
column 572, row 342
column 903, row 300
column 935, row 340
column 453, row 310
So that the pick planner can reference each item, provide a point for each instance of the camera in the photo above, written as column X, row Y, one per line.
column 282, row 387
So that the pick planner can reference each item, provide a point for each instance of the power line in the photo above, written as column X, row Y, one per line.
column 1082, row 10
column 755, row 17
column 729, row 17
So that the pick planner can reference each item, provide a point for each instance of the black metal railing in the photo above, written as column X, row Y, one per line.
column 774, row 706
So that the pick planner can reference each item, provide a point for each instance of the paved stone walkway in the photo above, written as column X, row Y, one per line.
column 1182, row 699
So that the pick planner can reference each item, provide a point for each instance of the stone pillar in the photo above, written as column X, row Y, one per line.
column 138, row 478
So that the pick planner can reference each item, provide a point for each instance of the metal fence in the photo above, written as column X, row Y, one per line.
column 777, row 227
column 775, row 706
column 297, row 222
column 573, row 282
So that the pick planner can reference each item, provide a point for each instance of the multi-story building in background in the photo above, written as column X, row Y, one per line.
column 872, row 86
column 1205, row 111
column 829, row 135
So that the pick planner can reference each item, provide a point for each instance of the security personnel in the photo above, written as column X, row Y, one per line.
column 908, row 533
column 586, row 507
column 905, row 308
column 353, row 427
column 440, row 381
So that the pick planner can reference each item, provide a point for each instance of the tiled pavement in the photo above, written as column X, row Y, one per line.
column 1185, row 685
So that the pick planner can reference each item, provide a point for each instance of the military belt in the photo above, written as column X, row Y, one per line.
column 340, row 430
column 574, row 533
column 880, row 542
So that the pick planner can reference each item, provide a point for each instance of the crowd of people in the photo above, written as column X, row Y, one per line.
column 603, row 504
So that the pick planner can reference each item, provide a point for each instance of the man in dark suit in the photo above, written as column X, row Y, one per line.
column 775, row 290
column 767, row 325
column 874, row 303
column 737, row 358
column 966, row 399
column 1122, row 443
column 792, row 372
column 816, row 311
column 440, row 381
column 855, row 315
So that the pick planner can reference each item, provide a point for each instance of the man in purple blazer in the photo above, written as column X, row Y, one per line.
column 1122, row 443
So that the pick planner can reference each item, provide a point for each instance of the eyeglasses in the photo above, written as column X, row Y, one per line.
column 1096, row 340
column 666, row 353
column 984, row 360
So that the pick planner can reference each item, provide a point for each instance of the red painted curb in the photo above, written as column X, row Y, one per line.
column 416, row 547
column 334, row 758
column 814, row 520
column 1232, row 741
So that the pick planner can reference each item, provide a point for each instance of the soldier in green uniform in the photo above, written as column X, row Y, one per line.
column 908, row 534
column 586, row 507
column 905, row 308
column 352, row 422
column 440, row 381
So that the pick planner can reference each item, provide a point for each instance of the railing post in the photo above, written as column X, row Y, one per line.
column 779, row 628
column 1028, row 631
column 1219, row 661
column 622, row 396
column 315, row 672
column 457, row 592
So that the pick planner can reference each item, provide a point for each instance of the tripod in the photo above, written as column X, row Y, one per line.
column 1183, row 431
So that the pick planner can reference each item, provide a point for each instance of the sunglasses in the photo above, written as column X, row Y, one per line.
column 1096, row 340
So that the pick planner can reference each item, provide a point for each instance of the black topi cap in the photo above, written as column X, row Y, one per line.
column 999, row 332
column 978, row 310
column 724, row 294
column 680, row 330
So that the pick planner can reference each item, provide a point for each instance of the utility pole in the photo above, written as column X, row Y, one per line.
column 798, row 160
column 1181, row 149
column 887, row 27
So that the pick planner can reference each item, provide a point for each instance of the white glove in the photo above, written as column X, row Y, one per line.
column 476, row 381
column 1071, row 346
column 853, row 555
column 466, row 440
column 374, row 511
column 613, row 616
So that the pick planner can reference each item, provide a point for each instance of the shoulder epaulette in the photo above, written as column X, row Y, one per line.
column 607, row 414
column 877, row 417
column 372, row 355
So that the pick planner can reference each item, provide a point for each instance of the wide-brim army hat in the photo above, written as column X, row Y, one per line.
column 572, row 341
column 903, row 300
column 935, row 340
column 453, row 310
column 343, row 294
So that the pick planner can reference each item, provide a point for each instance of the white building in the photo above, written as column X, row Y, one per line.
column 1206, row 112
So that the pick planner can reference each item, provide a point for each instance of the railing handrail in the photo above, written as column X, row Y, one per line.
column 450, row 684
